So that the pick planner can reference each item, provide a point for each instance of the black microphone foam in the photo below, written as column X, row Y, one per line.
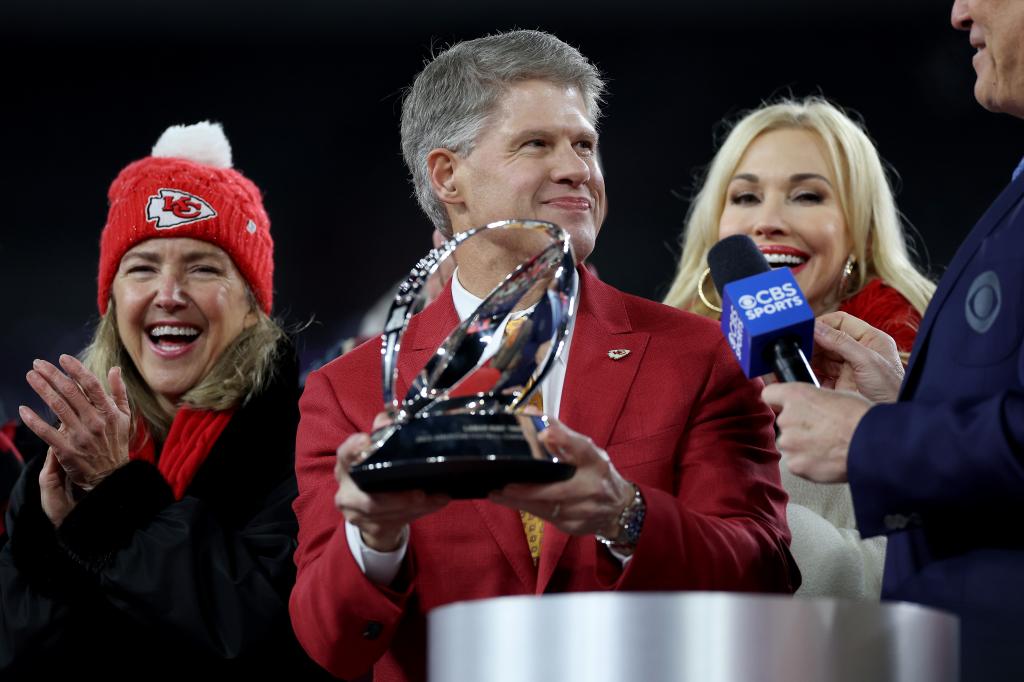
column 733, row 258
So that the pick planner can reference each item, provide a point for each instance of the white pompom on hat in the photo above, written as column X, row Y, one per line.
column 202, row 142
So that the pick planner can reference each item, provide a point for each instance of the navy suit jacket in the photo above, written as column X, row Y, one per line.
column 940, row 471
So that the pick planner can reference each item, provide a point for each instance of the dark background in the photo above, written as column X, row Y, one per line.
column 308, row 92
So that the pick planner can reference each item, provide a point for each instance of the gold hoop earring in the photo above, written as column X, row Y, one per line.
column 700, row 291
column 851, row 262
column 848, row 270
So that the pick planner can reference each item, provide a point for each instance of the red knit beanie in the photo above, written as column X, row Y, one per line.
column 187, row 188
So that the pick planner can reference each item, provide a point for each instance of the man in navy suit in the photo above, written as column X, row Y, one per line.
column 937, row 463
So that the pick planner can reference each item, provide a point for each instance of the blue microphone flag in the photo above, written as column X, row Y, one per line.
column 761, row 309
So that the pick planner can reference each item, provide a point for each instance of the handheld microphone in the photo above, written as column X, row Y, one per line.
column 765, row 317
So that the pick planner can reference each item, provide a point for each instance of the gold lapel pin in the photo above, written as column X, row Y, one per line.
column 618, row 353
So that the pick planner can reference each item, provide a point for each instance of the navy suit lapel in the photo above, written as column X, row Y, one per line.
column 988, row 222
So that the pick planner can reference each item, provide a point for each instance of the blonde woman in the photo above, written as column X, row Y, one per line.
column 806, row 183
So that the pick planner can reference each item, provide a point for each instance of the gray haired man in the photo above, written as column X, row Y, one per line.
column 677, row 481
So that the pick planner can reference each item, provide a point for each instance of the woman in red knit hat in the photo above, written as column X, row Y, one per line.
column 155, row 537
column 805, row 182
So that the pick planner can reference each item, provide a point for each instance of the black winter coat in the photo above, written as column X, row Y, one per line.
column 135, row 585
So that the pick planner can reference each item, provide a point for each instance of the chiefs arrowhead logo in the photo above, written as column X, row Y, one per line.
column 172, row 207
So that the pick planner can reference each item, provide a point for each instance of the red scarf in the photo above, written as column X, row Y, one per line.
column 7, row 434
column 192, row 435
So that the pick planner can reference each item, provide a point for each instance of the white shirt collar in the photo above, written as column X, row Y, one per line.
column 465, row 302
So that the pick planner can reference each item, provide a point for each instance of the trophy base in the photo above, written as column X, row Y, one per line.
column 464, row 456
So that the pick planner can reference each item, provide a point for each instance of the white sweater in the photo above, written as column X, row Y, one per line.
column 833, row 559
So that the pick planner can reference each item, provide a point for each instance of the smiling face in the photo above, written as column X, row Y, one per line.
column 179, row 304
column 783, row 195
column 535, row 159
column 997, row 33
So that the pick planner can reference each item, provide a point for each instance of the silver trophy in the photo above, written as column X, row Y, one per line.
column 460, row 429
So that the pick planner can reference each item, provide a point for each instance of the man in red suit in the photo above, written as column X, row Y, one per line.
column 677, row 479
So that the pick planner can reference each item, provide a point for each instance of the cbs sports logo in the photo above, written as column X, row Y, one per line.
column 770, row 301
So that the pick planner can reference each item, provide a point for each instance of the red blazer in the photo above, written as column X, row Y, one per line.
column 676, row 416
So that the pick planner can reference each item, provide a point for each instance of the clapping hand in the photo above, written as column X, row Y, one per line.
column 92, row 440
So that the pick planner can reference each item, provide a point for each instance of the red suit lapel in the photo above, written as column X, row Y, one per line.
column 596, row 386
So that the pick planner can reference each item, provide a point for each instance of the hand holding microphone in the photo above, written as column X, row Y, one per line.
column 770, row 328
column 854, row 356
column 816, row 426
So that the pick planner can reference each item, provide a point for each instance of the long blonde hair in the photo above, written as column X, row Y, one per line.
column 243, row 370
column 865, row 196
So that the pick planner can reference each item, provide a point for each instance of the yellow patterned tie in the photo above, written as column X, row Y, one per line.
column 532, row 525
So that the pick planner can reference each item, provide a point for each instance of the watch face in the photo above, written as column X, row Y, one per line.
column 631, row 522
column 632, row 519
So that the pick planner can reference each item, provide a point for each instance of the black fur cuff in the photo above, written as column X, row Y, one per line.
column 35, row 550
column 105, row 519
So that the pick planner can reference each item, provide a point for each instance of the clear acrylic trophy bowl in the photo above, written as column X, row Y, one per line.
column 460, row 428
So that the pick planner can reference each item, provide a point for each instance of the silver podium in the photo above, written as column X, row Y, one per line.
column 690, row 637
